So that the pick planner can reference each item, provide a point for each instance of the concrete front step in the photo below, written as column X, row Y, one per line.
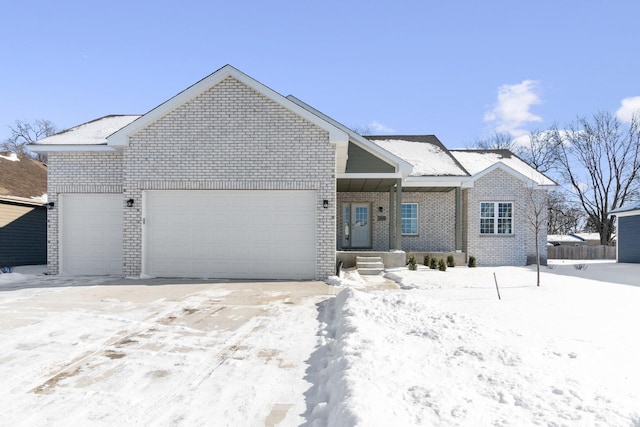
column 369, row 265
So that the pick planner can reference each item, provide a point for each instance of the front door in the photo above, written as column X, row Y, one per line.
column 357, row 225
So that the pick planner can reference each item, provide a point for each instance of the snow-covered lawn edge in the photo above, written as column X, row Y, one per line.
column 446, row 351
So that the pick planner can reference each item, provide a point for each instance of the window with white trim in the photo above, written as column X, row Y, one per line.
column 496, row 218
column 409, row 218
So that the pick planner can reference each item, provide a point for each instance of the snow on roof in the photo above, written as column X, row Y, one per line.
column 627, row 208
column 475, row 161
column 425, row 153
column 564, row 238
column 91, row 133
column 12, row 157
column 22, row 178
column 588, row 236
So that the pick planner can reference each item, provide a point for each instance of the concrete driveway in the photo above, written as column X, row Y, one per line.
column 161, row 352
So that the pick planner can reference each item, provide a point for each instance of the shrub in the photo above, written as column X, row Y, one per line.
column 413, row 263
column 451, row 262
column 433, row 264
column 427, row 259
column 472, row 261
column 442, row 266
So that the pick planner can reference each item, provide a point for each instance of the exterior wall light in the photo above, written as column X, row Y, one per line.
column 50, row 205
column 380, row 209
column 325, row 203
column 129, row 203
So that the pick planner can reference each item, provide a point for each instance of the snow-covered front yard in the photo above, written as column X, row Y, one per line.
column 441, row 350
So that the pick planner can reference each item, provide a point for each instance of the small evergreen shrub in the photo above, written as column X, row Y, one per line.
column 413, row 263
column 433, row 264
column 442, row 266
column 451, row 262
column 472, row 261
column 427, row 259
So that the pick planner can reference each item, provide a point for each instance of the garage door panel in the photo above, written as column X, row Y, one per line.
column 231, row 234
column 91, row 227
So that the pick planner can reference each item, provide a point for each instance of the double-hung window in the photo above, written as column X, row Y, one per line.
column 409, row 218
column 496, row 218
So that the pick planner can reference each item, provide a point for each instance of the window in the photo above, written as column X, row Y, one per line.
column 496, row 218
column 409, row 218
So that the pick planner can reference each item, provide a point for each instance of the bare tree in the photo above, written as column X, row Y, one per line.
column 536, row 209
column 499, row 141
column 363, row 130
column 24, row 133
column 539, row 151
column 599, row 159
column 564, row 216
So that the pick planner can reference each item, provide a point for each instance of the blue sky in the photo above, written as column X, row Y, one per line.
column 457, row 69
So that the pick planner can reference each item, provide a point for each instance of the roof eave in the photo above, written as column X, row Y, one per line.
column 72, row 148
column 531, row 183
column 22, row 200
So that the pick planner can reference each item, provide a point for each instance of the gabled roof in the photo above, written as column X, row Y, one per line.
column 121, row 137
column 90, row 136
column 22, row 179
column 481, row 162
column 426, row 154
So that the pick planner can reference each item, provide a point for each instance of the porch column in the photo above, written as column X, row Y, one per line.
column 392, row 223
column 458, row 219
column 398, row 217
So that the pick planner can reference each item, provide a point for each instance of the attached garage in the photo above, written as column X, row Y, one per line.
column 91, row 230
column 238, row 234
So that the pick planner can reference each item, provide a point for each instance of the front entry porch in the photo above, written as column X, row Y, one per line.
column 394, row 259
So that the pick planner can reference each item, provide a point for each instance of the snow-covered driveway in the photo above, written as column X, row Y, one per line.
column 167, row 354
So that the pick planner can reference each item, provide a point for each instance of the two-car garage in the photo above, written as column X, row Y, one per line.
column 239, row 234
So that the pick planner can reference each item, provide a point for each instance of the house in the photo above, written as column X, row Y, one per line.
column 565, row 240
column 229, row 179
column 628, row 233
column 23, row 215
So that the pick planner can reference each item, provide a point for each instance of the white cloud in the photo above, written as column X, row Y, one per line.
column 512, row 109
column 379, row 127
column 628, row 107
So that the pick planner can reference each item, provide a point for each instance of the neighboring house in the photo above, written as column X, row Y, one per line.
column 565, row 240
column 229, row 179
column 628, row 233
column 23, row 214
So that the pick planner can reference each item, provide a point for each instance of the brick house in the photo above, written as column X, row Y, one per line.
column 230, row 179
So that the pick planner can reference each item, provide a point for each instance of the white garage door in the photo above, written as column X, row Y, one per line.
column 230, row 234
column 91, row 229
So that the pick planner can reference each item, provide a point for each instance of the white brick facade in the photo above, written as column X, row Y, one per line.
column 228, row 137
column 499, row 186
column 77, row 173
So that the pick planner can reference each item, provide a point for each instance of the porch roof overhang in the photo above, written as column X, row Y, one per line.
column 366, row 182
column 434, row 183
column 381, row 182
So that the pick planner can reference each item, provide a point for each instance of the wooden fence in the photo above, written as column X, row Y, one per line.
column 581, row 252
